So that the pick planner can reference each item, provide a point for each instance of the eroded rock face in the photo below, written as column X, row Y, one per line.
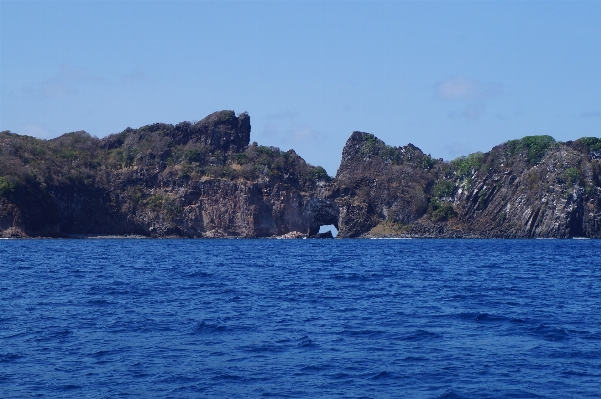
column 237, row 209
column 525, row 188
column 205, row 179
column 200, row 179
column 508, row 196
column 376, row 183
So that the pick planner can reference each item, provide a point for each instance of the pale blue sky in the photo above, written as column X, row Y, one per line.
column 450, row 77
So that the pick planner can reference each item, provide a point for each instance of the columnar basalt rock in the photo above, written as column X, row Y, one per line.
column 533, row 187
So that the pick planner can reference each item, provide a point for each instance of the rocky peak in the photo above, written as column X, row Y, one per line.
column 221, row 131
column 366, row 150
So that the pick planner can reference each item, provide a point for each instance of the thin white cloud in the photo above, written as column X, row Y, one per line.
column 590, row 114
column 295, row 134
column 461, row 88
column 286, row 115
column 66, row 82
column 457, row 88
column 270, row 130
column 302, row 135
column 456, row 149
column 472, row 93
column 474, row 110
column 78, row 74
column 34, row 130
column 134, row 76
column 55, row 88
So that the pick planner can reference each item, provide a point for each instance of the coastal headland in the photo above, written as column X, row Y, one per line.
column 206, row 179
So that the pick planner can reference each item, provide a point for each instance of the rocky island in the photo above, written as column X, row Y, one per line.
column 206, row 179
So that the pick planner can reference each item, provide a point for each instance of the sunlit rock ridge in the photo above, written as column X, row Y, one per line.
column 206, row 179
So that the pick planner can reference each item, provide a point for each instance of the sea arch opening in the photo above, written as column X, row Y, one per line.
column 328, row 227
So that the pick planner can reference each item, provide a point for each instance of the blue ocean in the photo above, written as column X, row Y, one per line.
column 142, row 318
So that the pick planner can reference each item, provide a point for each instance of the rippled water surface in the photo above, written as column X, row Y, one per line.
column 300, row 319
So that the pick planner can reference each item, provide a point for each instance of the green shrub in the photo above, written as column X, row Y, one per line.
column 6, row 186
column 535, row 147
column 428, row 162
column 570, row 176
column 590, row 190
column 227, row 116
column 390, row 155
column 441, row 211
column 219, row 171
column 319, row 173
column 592, row 143
column 156, row 201
column 501, row 217
column 466, row 166
column 165, row 203
column 444, row 188
column 192, row 156
column 370, row 144
column 267, row 151
column 241, row 158
column 481, row 199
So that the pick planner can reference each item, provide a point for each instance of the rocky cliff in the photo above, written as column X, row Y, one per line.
column 199, row 179
column 533, row 187
column 206, row 179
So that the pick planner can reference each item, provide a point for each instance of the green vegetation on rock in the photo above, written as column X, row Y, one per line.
column 428, row 162
column 592, row 143
column 319, row 173
column 466, row 166
column 440, row 211
column 535, row 146
column 6, row 186
column 570, row 176
column 158, row 148
column 390, row 155
column 387, row 228
column 203, row 179
column 444, row 188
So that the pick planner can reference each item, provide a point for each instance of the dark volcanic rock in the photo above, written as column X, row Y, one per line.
column 198, row 179
column 327, row 234
column 205, row 179
column 533, row 187
column 376, row 182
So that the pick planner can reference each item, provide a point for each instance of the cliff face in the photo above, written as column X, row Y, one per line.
column 524, row 191
column 378, row 183
column 205, row 179
column 191, row 180
column 533, row 187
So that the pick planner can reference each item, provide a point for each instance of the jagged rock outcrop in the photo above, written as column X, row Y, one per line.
column 205, row 179
column 524, row 191
column 533, row 187
column 376, row 182
column 199, row 179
